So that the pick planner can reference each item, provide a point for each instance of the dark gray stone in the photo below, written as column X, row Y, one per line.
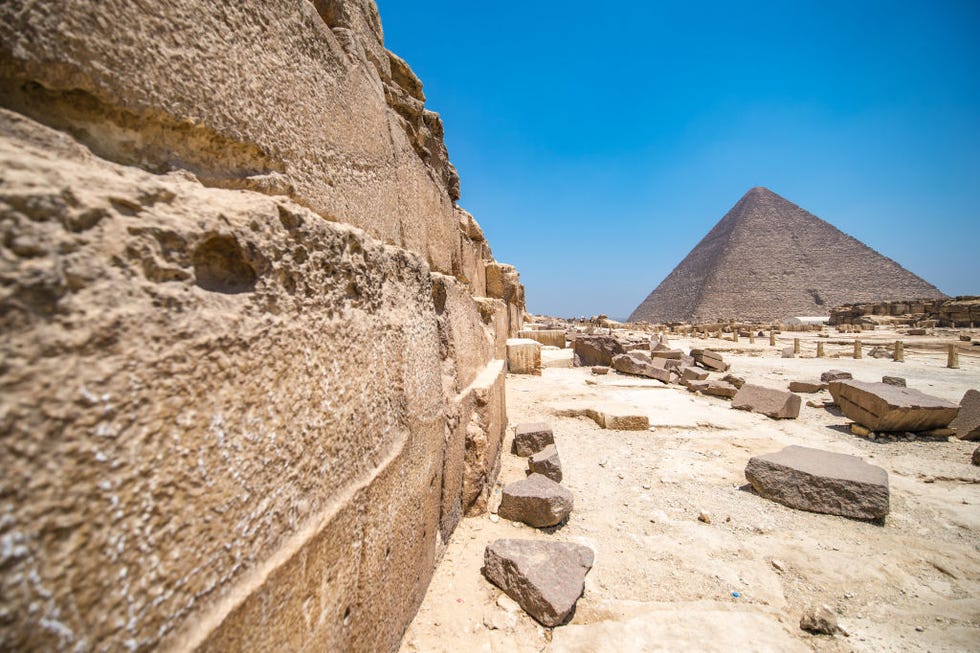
column 545, row 578
column 967, row 422
column 821, row 481
column 546, row 463
column 777, row 404
column 531, row 438
column 537, row 501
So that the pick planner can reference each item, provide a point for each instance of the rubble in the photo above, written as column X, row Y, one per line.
column 537, row 501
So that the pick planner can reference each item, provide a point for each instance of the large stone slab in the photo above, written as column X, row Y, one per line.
column 545, row 578
column 713, row 387
column 531, row 437
column 821, row 481
column 596, row 350
column 523, row 356
column 618, row 418
column 634, row 363
column 967, row 422
column 537, row 501
column 709, row 359
column 547, row 337
column 777, row 404
column 807, row 387
column 884, row 407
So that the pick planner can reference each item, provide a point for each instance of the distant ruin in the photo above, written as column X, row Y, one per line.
column 769, row 259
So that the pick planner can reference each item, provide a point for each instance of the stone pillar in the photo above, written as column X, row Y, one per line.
column 772, row 337
column 819, row 350
column 857, row 349
column 734, row 334
column 899, row 351
column 953, row 358
column 796, row 345
column 751, row 336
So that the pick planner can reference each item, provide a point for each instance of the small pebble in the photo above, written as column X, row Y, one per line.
column 778, row 565
column 920, row 629
column 704, row 517
column 494, row 518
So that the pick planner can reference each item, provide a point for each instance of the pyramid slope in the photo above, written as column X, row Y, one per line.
column 769, row 259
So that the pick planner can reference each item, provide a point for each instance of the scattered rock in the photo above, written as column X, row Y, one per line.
column 808, row 387
column 835, row 375
column 635, row 363
column 595, row 350
column 894, row 380
column 857, row 429
column 704, row 517
column 967, row 421
column 883, row 407
column 523, row 356
column 709, row 359
column 693, row 374
column 880, row 352
column 600, row 369
column 536, row 501
column 815, row 404
column 618, row 419
column 675, row 354
column 778, row 565
column 820, row 620
column 736, row 381
column 821, row 481
column 713, row 387
column 546, row 463
column 545, row 578
column 530, row 438
column 497, row 620
column 777, row 404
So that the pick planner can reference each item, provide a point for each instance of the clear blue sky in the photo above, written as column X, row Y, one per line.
column 598, row 142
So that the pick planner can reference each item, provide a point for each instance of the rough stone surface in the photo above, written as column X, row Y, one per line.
column 777, row 404
column 596, row 350
column 821, row 481
column 600, row 369
column 523, row 356
column 711, row 360
column 820, row 620
column 236, row 280
column 635, row 363
column 546, row 463
column 530, row 438
column 547, row 337
column 807, row 387
column 976, row 456
column 714, row 388
column 894, row 380
column 545, row 578
column 835, row 375
column 883, row 407
column 967, row 421
column 693, row 374
column 617, row 418
column 768, row 259
column 536, row 500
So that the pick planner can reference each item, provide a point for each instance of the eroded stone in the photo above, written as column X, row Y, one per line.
column 536, row 500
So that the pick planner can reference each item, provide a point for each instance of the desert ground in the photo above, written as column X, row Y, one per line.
column 665, row 580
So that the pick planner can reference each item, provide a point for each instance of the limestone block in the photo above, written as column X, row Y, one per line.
column 484, row 436
column 821, row 481
column 777, row 404
column 807, row 387
column 547, row 337
column 884, row 407
column 596, row 350
column 523, row 356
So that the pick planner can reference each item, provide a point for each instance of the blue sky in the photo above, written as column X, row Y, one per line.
column 598, row 142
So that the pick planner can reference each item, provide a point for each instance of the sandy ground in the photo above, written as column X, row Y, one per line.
column 663, row 580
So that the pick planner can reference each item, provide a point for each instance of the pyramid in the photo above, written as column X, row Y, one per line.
column 768, row 259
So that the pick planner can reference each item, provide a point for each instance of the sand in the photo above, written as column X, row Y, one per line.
column 663, row 580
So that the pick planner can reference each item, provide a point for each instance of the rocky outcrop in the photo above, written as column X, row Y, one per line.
column 253, row 371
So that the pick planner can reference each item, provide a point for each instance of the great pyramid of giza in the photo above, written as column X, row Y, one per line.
column 769, row 259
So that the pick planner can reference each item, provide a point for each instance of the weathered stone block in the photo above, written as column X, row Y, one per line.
column 547, row 337
column 537, row 501
column 777, row 404
column 596, row 350
column 523, row 356
column 547, row 463
column 883, row 407
column 807, row 387
column 530, row 438
column 821, row 481
column 967, row 421
column 545, row 578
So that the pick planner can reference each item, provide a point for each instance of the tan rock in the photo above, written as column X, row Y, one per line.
column 777, row 404
column 883, row 407
column 967, row 420
column 807, row 387
column 523, row 356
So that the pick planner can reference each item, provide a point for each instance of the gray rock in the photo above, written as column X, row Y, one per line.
column 883, row 407
column 894, row 380
column 531, row 438
column 536, row 500
column 808, row 387
column 967, row 422
column 777, row 404
column 821, row 481
column 835, row 375
column 545, row 578
column 546, row 463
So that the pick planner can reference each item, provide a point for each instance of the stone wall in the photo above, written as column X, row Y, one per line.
column 252, row 372
column 956, row 312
